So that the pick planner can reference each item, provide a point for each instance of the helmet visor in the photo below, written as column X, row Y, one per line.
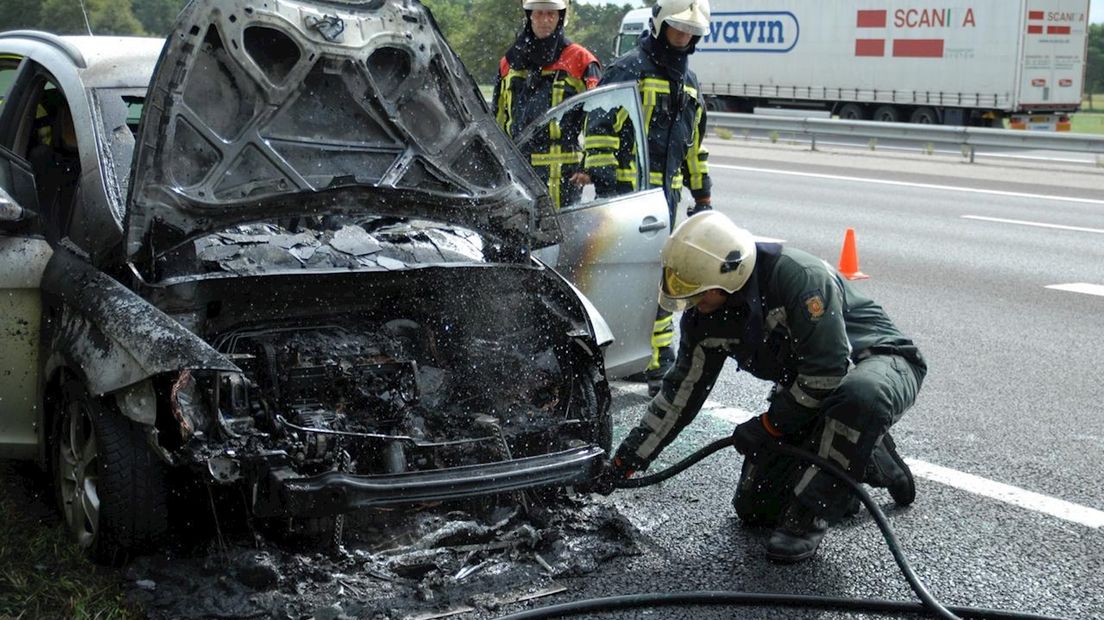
column 670, row 304
column 676, row 287
column 676, row 294
column 691, row 24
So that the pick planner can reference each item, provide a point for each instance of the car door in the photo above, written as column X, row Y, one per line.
column 23, row 257
column 612, row 237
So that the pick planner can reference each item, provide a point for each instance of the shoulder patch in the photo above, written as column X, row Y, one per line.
column 814, row 304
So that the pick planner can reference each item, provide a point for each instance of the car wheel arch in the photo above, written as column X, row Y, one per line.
column 114, row 336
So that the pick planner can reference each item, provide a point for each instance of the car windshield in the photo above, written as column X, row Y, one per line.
column 324, row 243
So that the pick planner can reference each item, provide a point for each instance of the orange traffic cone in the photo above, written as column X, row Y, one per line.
column 849, row 258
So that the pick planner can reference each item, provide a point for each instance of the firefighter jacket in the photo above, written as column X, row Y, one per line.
column 674, row 118
column 521, row 96
column 805, row 334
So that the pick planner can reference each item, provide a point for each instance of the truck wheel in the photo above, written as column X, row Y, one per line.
column 110, row 487
column 924, row 116
column 852, row 112
column 886, row 114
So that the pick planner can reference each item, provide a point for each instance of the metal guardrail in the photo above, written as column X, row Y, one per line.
column 968, row 138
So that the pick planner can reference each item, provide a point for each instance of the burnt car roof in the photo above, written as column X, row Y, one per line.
column 295, row 107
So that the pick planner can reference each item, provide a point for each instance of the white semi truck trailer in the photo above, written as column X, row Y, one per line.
column 951, row 62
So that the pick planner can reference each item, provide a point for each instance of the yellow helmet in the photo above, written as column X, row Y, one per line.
column 686, row 15
column 706, row 251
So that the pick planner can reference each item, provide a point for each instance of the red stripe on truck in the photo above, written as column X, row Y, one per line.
column 1034, row 30
column 872, row 19
column 918, row 48
column 1058, row 29
column 870, row 47
column 1035, row 15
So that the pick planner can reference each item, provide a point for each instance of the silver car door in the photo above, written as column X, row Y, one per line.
column 24, row 253
column 23, row 257
column 613, row 233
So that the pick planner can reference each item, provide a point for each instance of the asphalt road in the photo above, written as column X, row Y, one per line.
column 1007, row 436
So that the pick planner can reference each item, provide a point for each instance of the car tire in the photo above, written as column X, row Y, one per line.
column 110, row 487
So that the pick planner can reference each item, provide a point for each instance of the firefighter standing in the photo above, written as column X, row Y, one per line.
column 539, row 71
column 843, row 375
column 674, row 116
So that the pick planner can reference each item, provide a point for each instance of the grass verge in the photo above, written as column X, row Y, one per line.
column 1088, row 122
column 42, row 574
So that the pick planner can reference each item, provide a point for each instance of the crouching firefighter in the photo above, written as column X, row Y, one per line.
column 843, row 375
column 539, row 71
column 674, row 114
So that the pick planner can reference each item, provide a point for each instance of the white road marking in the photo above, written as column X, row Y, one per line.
column 710, row 407
column 1038, row 224
column 1067, row 511
column 1009, row 494
column 640, row 389
column 1080, row 287
column 728, row 414
column 973, row 190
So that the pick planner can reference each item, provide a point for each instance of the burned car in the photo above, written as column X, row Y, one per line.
column 287, row 250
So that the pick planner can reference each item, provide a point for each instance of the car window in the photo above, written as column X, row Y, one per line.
column 43, row 136
column 8, row 66
column 593, row 133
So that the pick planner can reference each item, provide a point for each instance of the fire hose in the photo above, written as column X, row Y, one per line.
column 928, row 604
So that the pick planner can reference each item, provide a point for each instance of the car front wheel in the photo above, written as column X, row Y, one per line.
column 110, row 486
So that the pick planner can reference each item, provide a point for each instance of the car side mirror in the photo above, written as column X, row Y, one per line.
column 12, row 216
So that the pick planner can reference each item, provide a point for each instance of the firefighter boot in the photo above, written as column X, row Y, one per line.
column 798, row 535
column 887, row 469
column 852, row 508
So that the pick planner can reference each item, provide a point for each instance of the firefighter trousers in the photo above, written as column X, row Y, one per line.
column 853, row 419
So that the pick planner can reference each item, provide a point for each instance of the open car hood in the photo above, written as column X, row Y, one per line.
column 293, row 108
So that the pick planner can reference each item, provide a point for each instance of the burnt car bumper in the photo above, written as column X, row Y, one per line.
column 288, row 494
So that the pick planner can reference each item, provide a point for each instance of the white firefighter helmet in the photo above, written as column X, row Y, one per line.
column 686, row 15
column 544, row 5
column 706, row 251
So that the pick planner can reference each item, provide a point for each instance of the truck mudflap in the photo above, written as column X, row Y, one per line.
column 331, row 493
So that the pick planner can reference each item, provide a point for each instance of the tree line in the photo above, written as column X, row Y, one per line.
column 479, row 30
column 1094, row 63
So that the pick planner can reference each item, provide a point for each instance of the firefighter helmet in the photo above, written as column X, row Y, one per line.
column 686, row 15
column 705, row 252
column 544, row 5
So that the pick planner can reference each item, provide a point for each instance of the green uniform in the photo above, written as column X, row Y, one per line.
column 843, row 375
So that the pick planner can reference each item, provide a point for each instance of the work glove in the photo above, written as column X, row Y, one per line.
column 702, row 204
column 613, row 471
column 751, row 437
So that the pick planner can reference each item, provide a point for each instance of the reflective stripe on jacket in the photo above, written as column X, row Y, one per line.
column 674, row 117
column 815, row 324
column 521, row 96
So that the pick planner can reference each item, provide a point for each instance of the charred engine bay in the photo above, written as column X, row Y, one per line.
column 398, row 396
column 407, row 350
